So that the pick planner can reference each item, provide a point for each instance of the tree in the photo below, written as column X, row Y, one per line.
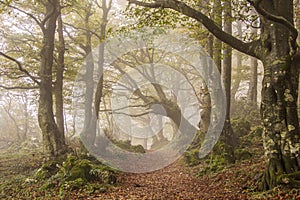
column 278, row 50
column 58, row 86
column 252, row 93
column 52, row 137
column 227, row 134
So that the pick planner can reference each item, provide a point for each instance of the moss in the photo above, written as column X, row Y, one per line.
column 224, row 151
column 126, row 145
column 47, row 185
column 96, row 188
column 75, row 173
column 214, row 164
column 71, row 185
column 191, row 157
column 292, row 180
column 47, row 170
column 240, row 126
column 242, row 154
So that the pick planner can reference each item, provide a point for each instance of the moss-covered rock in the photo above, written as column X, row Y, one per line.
column 224, row 151
column 47, row 170
column 74, row 173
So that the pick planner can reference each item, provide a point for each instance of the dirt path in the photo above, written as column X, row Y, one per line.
column 173, row 182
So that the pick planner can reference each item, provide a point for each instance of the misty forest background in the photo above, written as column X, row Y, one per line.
column 54, row 91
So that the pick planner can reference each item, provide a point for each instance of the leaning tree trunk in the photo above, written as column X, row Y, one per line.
column 53, row 142
column 279, row 96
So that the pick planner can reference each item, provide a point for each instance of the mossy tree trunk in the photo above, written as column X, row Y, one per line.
column 279, row 98
column 54, row 143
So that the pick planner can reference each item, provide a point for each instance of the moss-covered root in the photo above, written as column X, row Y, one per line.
column 292, row 180
column 274, row 176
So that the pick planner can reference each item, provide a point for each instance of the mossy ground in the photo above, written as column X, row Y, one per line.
column 26, row 175
column 77, row 177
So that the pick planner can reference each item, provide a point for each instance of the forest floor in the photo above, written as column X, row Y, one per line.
column 175, row 182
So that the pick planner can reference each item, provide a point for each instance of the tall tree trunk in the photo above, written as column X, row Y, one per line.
column 205, row 99
column 26, row 115
column 239, row 66
column 252, row 93
column 58, row 92
column 89, row 130
column 106, row 6
column 227, row 133
column 53, row 142
column 297, row 15
column 217, row 49
column 279, row 95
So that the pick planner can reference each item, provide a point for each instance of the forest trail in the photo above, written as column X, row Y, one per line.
column 176, row 181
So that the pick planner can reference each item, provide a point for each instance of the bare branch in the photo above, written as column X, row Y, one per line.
column 20, row 67
column 84, row 29
column 19, row 87
column 131, row 115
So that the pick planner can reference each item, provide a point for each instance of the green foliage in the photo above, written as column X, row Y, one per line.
column 252, row 139
column 147, row 17
column 47, row 170
column 224, row 151
column 191, row 156
column 215, row 164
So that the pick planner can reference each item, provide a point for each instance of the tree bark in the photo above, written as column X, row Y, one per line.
column 239, row 66
column 217, row 44
column 53, row 142
column 227, row 133
column 58, row 92
column 252, row 93
column 279, row 95
column 89, row 128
